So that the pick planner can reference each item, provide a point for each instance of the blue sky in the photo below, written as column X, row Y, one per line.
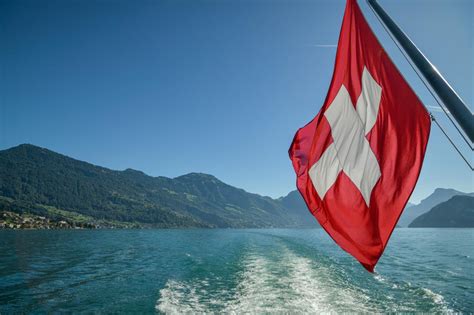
column 220, row 87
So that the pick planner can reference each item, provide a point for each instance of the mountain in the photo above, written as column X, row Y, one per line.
column 456, row 212
column 39, row 181
column 300, row 212
column 438, row 196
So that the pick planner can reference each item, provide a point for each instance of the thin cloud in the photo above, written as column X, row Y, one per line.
column 436, row 108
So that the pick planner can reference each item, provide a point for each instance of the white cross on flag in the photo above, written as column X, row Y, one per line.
column 358, row 160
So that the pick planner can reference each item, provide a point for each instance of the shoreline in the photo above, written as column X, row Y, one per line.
column 27, row 221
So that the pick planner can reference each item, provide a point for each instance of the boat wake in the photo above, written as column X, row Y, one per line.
column 283, row 281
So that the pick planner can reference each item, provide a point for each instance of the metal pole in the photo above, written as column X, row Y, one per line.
column 441, row 87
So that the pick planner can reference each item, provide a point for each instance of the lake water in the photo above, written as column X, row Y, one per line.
column 256, row 271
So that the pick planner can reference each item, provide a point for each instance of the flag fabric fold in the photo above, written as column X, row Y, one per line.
column 358, row 160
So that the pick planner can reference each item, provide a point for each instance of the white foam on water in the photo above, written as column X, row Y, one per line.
column 179, row 298
column 289, row 284
column 317, row 289
column 437, row 299
column 414, row 297
column 379, row 278
column 257, row 290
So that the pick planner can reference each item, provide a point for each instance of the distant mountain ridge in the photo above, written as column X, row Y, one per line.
column 40, row 181
column 44, row 183
column 295, row 202
column 438, row 196
column 457, row 212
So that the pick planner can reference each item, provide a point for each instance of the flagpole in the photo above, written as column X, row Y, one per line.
column 438, row 83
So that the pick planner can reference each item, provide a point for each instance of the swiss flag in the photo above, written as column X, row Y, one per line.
column 358, row 160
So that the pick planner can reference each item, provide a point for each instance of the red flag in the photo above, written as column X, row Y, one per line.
column 358, row 160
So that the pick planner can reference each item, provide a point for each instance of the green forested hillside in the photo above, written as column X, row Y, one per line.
column 42, row 182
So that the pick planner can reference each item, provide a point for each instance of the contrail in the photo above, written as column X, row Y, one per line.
column 436, row 108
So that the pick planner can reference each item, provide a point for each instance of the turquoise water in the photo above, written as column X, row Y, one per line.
column 256, row 271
